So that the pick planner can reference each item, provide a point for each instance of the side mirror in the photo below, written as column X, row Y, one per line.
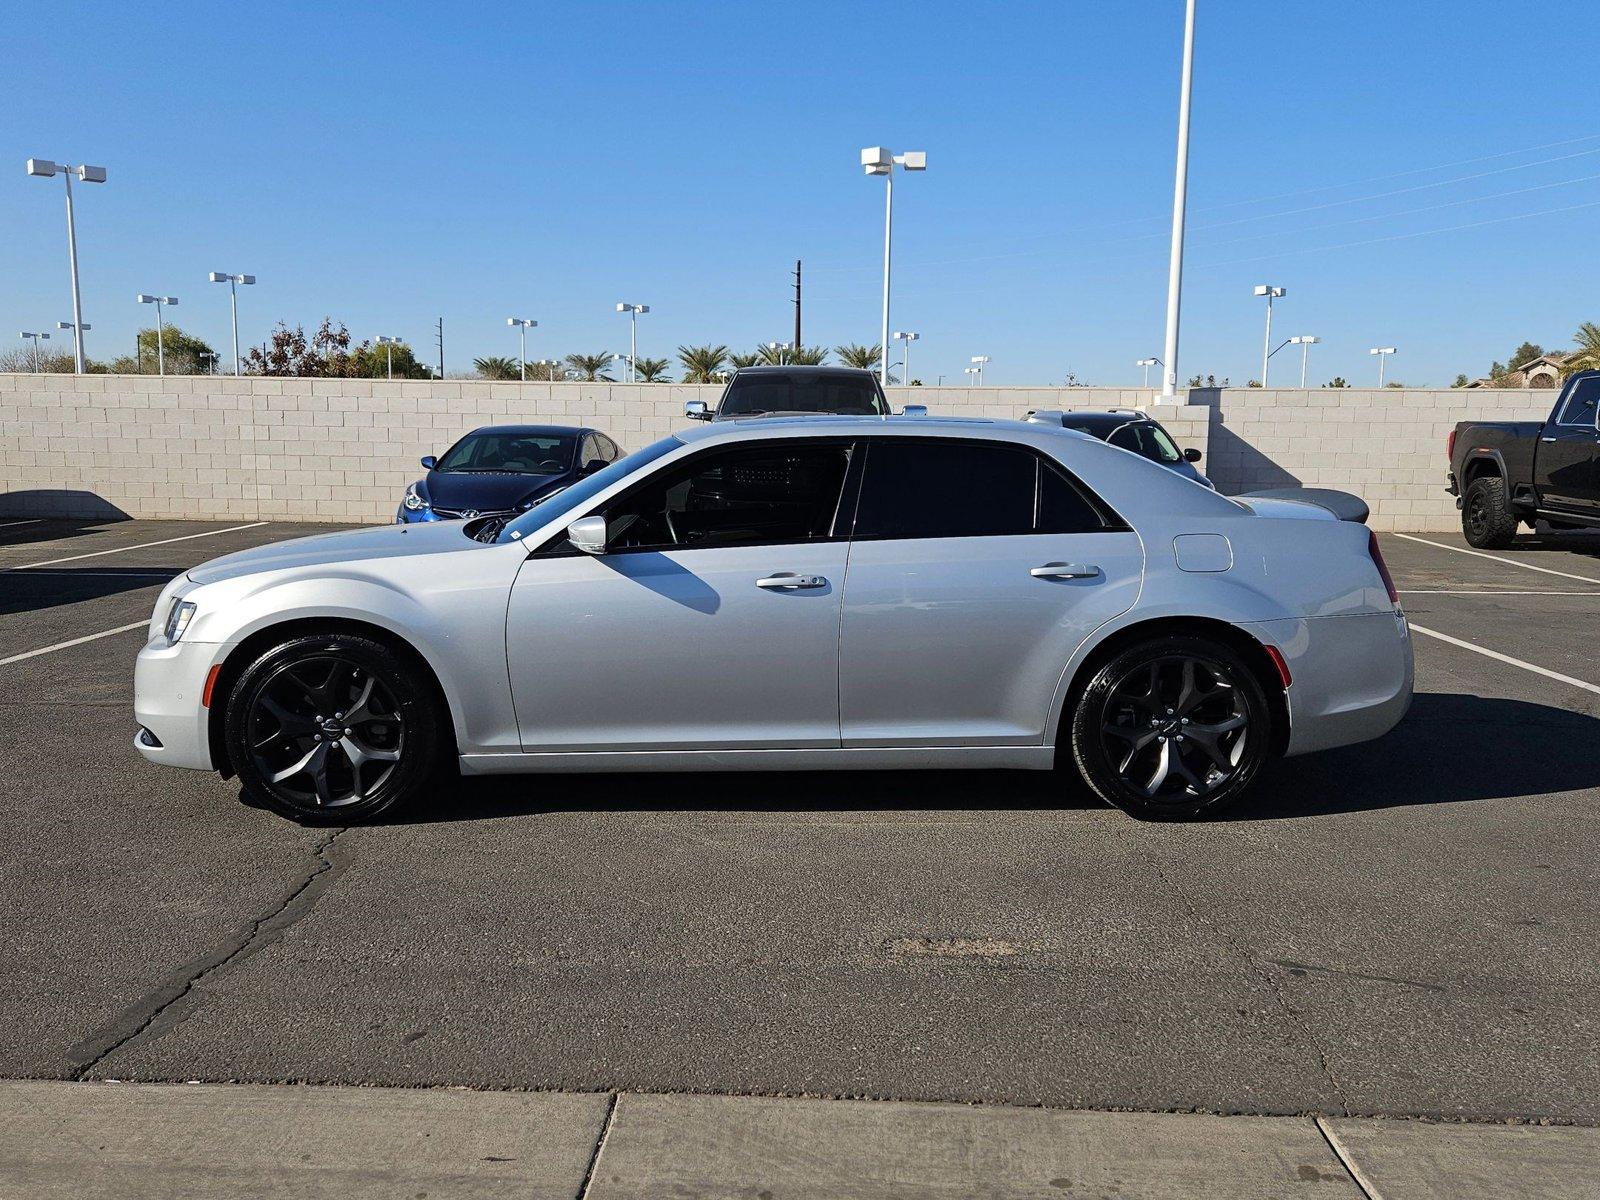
column 1191, row 455
column 914, row 410
column 696, row 410
column 593, row 465
column 429, row 462
column 588, row 534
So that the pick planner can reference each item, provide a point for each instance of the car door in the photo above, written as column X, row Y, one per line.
column 711, row 622
column 977, row 567
column 1568, row 458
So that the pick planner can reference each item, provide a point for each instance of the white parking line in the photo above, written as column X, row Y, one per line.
column 1495, row 557
column 50, row 562
column 1485, row 592
column 8, row 524
column 93, row 637
column 1506, row 658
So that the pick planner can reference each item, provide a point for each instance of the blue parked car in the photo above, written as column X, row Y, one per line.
column 504, row 469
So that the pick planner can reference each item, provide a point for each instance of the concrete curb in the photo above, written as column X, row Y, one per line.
column 164, row 1141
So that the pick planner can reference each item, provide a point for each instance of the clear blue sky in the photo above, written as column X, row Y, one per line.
column 385, row 164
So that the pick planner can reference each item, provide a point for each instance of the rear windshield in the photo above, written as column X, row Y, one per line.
column 849, row 395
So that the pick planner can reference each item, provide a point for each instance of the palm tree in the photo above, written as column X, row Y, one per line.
column 809, row 356
column 745, row 360
column 701, row 363
column 591, row 368
column 866, row 358
column 1587, row 356
column 651, row 370
column 497, row 367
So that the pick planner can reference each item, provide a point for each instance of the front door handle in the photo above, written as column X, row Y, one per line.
column 1058, row 570
column 788, row 581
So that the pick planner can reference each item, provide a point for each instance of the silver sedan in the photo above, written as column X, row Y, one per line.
column 826, row 592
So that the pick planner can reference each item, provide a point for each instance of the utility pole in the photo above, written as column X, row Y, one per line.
column 439, row 337
column 797, row 342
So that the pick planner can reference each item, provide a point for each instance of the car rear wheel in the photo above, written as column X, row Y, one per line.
column 1171, row 728
column 1486, row 517
column 332, row 729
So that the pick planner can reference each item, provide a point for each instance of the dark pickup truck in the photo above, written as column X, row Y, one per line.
column 1506, row 472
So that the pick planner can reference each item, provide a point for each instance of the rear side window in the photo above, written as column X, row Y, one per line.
column 922, row 488
column 1580, row 409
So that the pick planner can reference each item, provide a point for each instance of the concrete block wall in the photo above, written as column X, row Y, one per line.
column 219, row 448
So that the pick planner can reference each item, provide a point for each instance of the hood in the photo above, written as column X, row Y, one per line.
column 358, row 545
column 458, row 490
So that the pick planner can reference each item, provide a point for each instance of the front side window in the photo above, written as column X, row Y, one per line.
column 1580, row 409
column 769, row 493
column 773, row 392
column 572, row 499
column 509, row 454
column 927, row 488
column 1148, row 440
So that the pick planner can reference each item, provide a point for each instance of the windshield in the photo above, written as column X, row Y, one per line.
column 1148, row 439
column 510, row 454
column 572, row 498
column 771, row 392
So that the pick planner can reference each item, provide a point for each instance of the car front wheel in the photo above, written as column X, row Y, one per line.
column 332, row 729
column 1171, row 728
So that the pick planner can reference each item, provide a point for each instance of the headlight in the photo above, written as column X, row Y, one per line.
column 414, row 500
column 178, row 618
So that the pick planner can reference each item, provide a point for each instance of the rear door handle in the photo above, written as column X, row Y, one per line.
column 788, row 581
column 1058, row 570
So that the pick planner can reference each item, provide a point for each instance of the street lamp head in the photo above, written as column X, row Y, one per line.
column 1267, row 289
column 1147, row 362
column 68, row 325
column 980, row 359
column 913, row 160
column 1381, row 350
column 143, row 299
column 42, row 167
column 92, row 174
column 1304, row 339
column 877, row 160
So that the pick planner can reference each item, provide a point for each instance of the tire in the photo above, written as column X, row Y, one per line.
column 1486, row 516
column 1135, row 730
column 333, row 729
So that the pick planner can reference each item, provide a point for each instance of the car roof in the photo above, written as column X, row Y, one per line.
column 826, row 424
column 534, row 430
column 1103, row 422
column 853, row 372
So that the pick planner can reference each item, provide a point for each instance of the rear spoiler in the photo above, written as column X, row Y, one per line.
column 1341, row 504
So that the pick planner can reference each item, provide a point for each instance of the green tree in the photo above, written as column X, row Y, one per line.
column 1461, row 381
column 1210, row 381
column 590, row 368
column 809, row 356
column 701, row 363
column 867, row 358
column 185, row 354
column 368, row 361
column 1523, row 355
column 744, row 360
column 497, row 366
column 1338, row 381
column 1586, row 357
column 290, row 352
column 651, row 370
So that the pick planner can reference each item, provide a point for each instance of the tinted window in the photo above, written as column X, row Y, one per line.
column 764, row 494
column 769, row 392
column 513, row 453
column 924, row 488
column 567, row 501
column 1063, row 507
column 1148, row 440
column 1580, row 408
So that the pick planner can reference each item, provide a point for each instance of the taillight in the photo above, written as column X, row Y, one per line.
column 1383, row 567
column 1450, row 446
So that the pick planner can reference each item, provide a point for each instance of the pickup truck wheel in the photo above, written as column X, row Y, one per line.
column 1486, row 517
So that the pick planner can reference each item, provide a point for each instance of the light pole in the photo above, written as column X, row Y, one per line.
column 633, row 311
column 970, row 372
column 980, row 361
column 1271, row 293
column 37, row 338
column 233, row 282
column 78, row 330
column 161, row 329
column 208, row 368
column 905, row 363
column 1383, row 353
column 44, row 168
column 1147, row 363
column 388, row 344
column 1180, row 192
column 616, row 358
column 522, row 325
column 877, row 160
column 1305, row 341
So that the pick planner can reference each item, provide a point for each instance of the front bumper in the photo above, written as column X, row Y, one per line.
column 410, row 516
column 168, row 686
column 1352, row 676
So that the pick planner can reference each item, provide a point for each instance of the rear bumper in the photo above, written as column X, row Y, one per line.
column 168, row 686
column 1352, row 676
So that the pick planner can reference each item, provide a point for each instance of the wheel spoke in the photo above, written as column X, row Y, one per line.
column 290, row 724
column 295, row 768
column 358, row 710
column 319, row 773
column 1162, row 770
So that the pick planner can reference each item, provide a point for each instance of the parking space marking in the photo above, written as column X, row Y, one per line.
column 50, row 562
column 8, row 524
column 1410, row 537
column 134, row 573
column 1506, row 658
column 1485, row 592
column 93, row 637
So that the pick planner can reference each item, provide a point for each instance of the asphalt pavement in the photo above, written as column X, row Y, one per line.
column 1404, row 928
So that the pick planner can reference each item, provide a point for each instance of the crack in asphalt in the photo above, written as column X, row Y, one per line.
column 1271, row 979
column 153, row 1012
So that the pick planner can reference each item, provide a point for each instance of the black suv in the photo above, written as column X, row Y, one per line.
column 794, row 391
